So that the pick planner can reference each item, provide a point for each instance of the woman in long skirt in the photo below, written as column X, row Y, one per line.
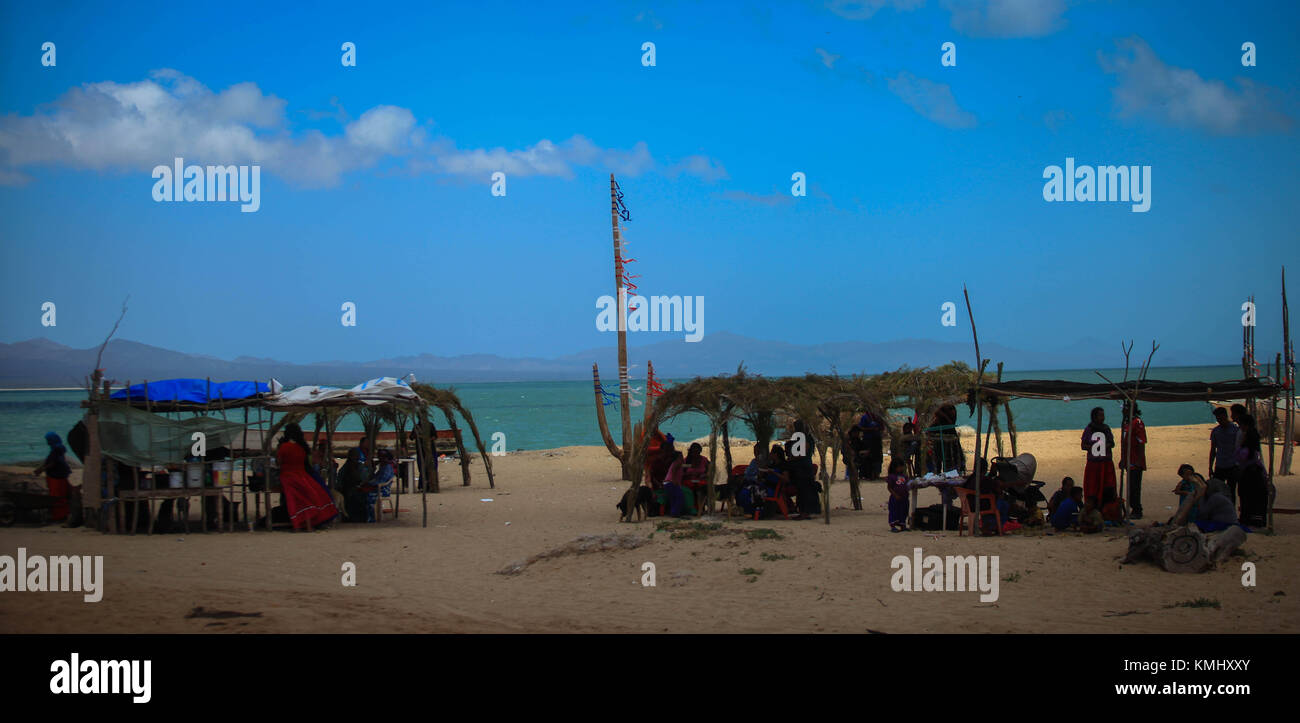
column 308, row 503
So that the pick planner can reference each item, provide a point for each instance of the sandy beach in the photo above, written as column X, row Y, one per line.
column 809, row 577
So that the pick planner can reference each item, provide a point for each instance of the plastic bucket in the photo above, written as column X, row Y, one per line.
column 176, row 479
column 221, row 473
column 194, row 474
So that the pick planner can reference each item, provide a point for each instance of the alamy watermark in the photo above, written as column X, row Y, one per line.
column 953, row 573
column 59, row 573
column 179, row 182
column 654, row 313
column 1125, row 184
column 77, row 676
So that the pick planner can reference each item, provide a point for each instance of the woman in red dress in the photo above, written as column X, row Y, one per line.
column 309, row 504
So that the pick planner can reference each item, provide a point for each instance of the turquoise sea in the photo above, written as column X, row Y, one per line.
column 542, row 415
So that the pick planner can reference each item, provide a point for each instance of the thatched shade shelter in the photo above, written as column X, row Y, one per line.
column 825, row 405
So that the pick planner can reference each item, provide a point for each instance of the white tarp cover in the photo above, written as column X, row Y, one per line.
column 383, row 390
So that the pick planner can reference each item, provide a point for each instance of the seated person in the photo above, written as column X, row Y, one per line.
column 989, row 486
column 659, row 458
column 1090, row 520
column 1112, row 506
column 776, row 477
column 674, row 497
column 352, row 478
column 694, row 469
column 1216, row 512
column 1067, row 512
column 1191, row 489
column 1061, row 495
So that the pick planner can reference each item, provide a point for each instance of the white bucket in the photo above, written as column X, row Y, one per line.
column 222, row 473
column 194, row 474
column 176, row 479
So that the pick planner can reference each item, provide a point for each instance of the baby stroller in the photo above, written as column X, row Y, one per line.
column 1016, row 476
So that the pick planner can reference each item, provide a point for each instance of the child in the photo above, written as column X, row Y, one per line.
column 897, row 484
column 1090, row 520
column 1112, row 507
column 1061, row 495
column 1190, row 489
column 1068, row 510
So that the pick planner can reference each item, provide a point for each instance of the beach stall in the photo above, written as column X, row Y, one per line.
column 385, row 400
column 169, row 441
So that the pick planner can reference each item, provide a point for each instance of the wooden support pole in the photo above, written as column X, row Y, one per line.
column 620, row 301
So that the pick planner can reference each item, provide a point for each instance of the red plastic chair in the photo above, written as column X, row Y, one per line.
column 966, row 494
column 778, row 496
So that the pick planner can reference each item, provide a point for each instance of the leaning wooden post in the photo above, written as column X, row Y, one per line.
column 1288, row 380
column 266, row 484
column 460, row 444
column 92, row 472
column 422, row 436
column 1272, row 437
column 979, row 413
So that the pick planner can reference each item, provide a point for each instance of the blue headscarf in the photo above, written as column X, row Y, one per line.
column 53, row 440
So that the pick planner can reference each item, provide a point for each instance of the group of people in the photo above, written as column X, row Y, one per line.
column 309, row 498
column 678, row 481
column 1236, row 458
column 1071, row 508
column 784, row 472
column 1237, row 491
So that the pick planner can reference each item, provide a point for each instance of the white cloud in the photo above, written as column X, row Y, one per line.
column 1180, row 97
column 1006, row 18
column 136, row 126
column 702, row 167
column 933, row 101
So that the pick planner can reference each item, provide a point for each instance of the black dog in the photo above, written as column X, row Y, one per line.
column 642, row 501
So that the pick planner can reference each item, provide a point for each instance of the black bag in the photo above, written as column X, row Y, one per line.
column 931, row 518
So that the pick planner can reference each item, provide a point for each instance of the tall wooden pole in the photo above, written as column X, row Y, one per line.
column 979, row 412
column 620, row 300
column 1288, row 379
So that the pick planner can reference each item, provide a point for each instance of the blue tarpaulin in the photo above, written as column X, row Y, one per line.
column 194, row 391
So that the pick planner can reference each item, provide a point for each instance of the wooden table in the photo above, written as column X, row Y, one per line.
column 173, row 493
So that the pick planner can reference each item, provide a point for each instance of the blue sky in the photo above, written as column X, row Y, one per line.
column 375, row 178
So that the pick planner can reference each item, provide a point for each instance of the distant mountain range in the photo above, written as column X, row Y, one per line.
column 44, row 363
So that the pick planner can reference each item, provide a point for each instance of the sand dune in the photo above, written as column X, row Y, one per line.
column 446, row 578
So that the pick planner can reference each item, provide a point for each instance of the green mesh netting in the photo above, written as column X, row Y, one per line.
column 140, row 439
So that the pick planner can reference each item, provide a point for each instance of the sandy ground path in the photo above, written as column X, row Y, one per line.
column 835, row 578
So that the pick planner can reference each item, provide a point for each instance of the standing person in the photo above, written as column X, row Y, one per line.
column 873, row 442
column 804, row 478
column 1138, row 463
column 1252, row 481
column 1099, row 473
column 1224, row 441
column 307, row 502
column 56, row 471
column 897, row 484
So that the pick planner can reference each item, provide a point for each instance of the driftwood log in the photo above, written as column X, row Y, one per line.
column 1182, row 549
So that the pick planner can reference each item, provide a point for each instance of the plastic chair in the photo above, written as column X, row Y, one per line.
column 966, row 494
column 383, row 484
column 778, row 496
